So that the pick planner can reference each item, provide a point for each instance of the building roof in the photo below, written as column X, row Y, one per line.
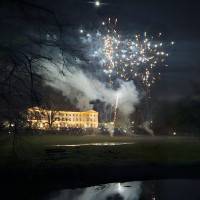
column 38, row 108
column 91, row 111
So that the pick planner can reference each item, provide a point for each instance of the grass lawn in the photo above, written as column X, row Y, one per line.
column 159, row 150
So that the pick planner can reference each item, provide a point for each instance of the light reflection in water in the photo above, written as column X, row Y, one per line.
column 118, row 191
column 94, row 144
column 184, row 189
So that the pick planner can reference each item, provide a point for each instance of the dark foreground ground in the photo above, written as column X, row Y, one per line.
column 29, row 165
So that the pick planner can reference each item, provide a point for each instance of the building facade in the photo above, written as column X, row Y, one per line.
column 39, row 118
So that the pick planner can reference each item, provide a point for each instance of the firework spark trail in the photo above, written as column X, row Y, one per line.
column 116, row 106
column 132, row 58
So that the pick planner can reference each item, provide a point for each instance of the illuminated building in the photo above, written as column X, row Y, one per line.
column 39, row 118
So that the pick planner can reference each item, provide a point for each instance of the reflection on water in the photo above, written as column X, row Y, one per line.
column 146, row 190
column 94, row 144
column 108, row 191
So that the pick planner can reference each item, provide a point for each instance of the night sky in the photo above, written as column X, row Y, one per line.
column 177, row 20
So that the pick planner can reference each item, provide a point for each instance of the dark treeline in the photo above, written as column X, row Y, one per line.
column 182, row 117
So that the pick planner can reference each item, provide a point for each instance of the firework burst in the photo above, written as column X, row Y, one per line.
column 128, row 58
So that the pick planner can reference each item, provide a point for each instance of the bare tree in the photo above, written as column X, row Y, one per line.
column 25, row 27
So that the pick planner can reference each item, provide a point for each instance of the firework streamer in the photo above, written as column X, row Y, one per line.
column 116, row 106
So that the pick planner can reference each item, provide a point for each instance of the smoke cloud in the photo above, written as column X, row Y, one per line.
column 147, row 127
column 81, row 88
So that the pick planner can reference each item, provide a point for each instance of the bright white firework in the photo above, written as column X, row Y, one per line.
column 128, row 58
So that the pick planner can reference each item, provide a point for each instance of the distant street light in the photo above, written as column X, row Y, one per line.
column 174, row 133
